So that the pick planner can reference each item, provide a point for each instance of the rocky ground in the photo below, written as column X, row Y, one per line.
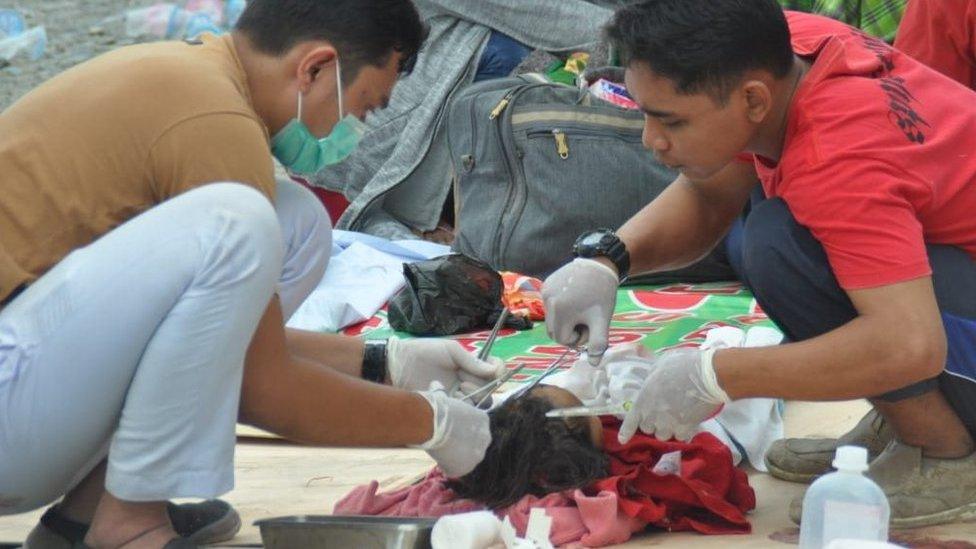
column 77, row 30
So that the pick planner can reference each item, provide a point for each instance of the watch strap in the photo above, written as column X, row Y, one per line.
column 615, row 251
column 374, row 361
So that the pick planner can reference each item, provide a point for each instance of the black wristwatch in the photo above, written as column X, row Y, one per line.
column 374, row 361
column 604, row 243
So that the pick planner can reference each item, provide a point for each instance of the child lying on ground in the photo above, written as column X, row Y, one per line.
column 597, row 491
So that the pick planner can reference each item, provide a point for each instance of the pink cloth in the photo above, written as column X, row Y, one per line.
column 427, row 498
column 709, row 495
column 592, row 521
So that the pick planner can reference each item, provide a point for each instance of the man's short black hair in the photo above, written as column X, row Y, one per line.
column 703, row 45
column 365, row 32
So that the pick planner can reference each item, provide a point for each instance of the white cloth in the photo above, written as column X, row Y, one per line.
column 406, row 250
column 364, row 273
column 477, row 530
column 751, row 424
column 483, row 530
column 134, row 345
column 359, row 281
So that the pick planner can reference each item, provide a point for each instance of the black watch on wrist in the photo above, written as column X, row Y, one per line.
column 604, row 243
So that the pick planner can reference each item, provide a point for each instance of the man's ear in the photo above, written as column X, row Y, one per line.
column 758, row 100
column 316, row 61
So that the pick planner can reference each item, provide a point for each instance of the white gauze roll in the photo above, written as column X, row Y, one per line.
column 477, row 530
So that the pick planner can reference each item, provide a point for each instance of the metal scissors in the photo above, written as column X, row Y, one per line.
column 492, row 385
column 500, row 381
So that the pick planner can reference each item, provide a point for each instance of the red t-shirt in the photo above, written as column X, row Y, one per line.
column 879, row 156
column 941, row 34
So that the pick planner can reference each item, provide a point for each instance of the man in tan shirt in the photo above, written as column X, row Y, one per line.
column 148, row 259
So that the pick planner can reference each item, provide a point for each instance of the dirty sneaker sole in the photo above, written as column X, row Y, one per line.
column 964, row 512
column 791, row 476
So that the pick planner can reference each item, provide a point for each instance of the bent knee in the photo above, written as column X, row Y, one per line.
column 246, row 222
column 302, row 214
column 765, row 239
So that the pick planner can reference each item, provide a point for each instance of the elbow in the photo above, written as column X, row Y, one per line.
column 920, row 357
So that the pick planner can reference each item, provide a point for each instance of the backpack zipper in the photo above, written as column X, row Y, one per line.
column 507, row 153
column 562, row 145
column 500, row 107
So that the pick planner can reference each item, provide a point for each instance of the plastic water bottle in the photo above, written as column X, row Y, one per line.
column 212, row 9
column 232, row 12
column 199, row 23
column 162, row 20
column 844, row 505
column 33, row 42
column 11, row 23
column 172, row 21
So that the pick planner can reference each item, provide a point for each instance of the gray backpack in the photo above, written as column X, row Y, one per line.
column 536, row 164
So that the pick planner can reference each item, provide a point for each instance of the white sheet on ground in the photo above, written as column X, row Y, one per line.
column 363, row 274
column 408, row 250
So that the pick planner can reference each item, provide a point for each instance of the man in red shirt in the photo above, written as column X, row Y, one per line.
column 941, row 34
column 859, row 245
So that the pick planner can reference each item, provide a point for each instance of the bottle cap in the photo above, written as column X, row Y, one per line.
column 851, row 458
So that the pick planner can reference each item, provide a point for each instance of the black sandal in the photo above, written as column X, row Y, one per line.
column 203, row 523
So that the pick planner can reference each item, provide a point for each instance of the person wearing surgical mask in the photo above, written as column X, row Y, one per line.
column 149, row 258
column 301, row 152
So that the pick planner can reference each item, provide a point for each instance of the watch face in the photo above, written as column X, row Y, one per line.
column 593, row 240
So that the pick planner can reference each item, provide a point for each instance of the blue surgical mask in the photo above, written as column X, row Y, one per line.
column 301, row 152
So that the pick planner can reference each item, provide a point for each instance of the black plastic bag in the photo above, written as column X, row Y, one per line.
column 449, row 295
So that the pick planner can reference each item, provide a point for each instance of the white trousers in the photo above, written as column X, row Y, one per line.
column 133, row 347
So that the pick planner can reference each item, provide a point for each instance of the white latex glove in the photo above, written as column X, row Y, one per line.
column 414, row 364
column 680, row 392
column 626, row 377
column 579, row 299
column 461, row 433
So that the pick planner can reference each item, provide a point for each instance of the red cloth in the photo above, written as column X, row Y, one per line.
column 941, row 34
column 711, row 495
column 523, row 295
column 877, row 157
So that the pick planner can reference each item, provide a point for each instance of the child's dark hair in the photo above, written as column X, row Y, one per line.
column 531, row 454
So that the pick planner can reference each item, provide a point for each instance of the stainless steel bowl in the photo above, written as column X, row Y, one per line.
column 336, row 532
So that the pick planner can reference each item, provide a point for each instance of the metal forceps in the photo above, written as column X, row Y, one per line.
column 587, row 411
column 498, row 383
column 555, row 365
column 483, row 355
column 490, row 342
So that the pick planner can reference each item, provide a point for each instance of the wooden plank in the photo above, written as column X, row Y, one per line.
column 275, row 478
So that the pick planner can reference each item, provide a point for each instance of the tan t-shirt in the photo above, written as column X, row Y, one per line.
column 112, row 137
